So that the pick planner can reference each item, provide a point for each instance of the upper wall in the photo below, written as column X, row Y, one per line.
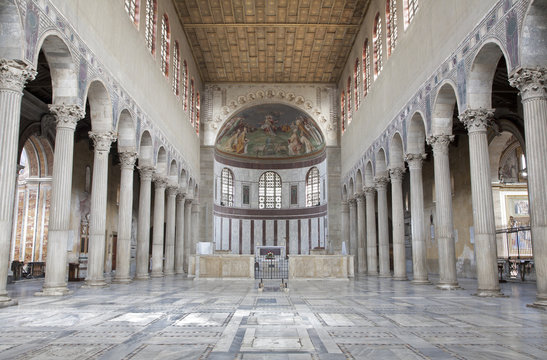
column 224, row 100
column 437, row 30
column 119, row 46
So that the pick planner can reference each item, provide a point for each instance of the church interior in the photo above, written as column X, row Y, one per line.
column 273, row 179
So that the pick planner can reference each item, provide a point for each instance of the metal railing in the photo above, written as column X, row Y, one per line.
column 274, row 267
column 515, row 256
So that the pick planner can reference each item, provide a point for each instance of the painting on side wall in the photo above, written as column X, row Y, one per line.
column 270, row 131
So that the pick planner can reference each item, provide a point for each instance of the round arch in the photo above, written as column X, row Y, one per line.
column 11, row 31
column 381, row 163
column 396, row 151
column 443, row 109
column 126, row 132
column 100, row 106
column 416, row 134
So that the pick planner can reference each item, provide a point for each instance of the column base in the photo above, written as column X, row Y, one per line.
column 180, row 272
column 420, row 282
column 385, row 275
column 6, row 301
column 142, row 277
column 451, row 286
column 539, row 304
column 54, row 291
column 92, row 284
column 156, row 275
column 169, row 272
column 124, row 280
column 489, row 293
column 372, row 273
column 400, row 278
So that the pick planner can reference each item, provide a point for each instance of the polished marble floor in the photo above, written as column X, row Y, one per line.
column 365, row 318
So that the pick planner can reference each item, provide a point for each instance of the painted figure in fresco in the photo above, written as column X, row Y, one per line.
column 241, row 143
column 308, row 147
column 230, row 144
column 294, row 143
column 269, row 125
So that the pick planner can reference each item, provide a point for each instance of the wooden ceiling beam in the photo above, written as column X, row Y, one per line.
column 270, row 25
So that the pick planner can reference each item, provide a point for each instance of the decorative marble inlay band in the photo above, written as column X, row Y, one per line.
column 102, row 140
column 397, row 174
column 530, row 82
column 14, row 74
column 415, row 160
column 440, row 143
column 477, row 120
column 127, row 159
column 67, row 116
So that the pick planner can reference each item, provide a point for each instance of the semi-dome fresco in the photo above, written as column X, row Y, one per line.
column 270, row 131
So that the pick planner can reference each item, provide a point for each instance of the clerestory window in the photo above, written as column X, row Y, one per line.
column 269, row 191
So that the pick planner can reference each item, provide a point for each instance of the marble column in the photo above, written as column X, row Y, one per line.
column 398, row 221
column 125, row 215
column 195, row 227
column 353, row 233
column 160, row 183
column 169, row 263
column 419, row 255
column 13, row 76
column 372, row 248
column 361, row 237
column 179, row 237
column 344, row 222
column 383, row 225
column 445, row 224
column 477, row 122
column 143, row 223
column 187, row 233
column 533, row 93
column 67, row 117
column 97, row 218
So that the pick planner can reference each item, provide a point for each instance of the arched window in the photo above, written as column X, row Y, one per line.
column 176, row 69
column 269, row 191
column 391, row 25
column 185, row 85
column 410, row 7
column 343, row 111
column 377, row 44
column 226, row 187
column 366, row 68
column 348, row 102
column 132, row 9
column 198, row 105
column 165, row 42
column 313, row 190
column 150, row 28
column 192, row 101
column 356, row 73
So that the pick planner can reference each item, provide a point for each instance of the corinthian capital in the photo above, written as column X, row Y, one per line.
column 477, row 120
column 530, row 82
column 181, row 195
column 160, row 181
column 102, row 140
column 127, row 159
column 380, row 182
column 397, row 174
column 440, row 143
column 415, row 160
column 369, row 190
column 172, row 190
column 67, row 115
column 14, row 74
column 146, row 172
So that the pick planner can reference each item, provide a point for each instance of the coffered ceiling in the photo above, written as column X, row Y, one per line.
column 271, row 40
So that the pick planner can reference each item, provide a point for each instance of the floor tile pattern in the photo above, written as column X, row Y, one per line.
column 365, row 318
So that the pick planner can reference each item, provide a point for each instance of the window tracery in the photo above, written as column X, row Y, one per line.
column 227, row 187
column 192, row 101
column 176, row 69
column 343, row 111
column 366, row 68
column 269, row 191
column 391, row 25
column 410, row 9
column 348, row 102
column 313, row 191
column 185, row 85
column 356, row 73
column 150, row 28
column 165, row 42
column 132, row 9
column 377, row 45
column 198, row 105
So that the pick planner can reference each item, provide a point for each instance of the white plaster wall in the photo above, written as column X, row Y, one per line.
column 438, row 28
column 105, row 27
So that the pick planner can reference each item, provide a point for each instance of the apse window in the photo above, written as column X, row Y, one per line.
column 269, row 191
column 227, row 188
column 132, row 9
column 313, row 192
